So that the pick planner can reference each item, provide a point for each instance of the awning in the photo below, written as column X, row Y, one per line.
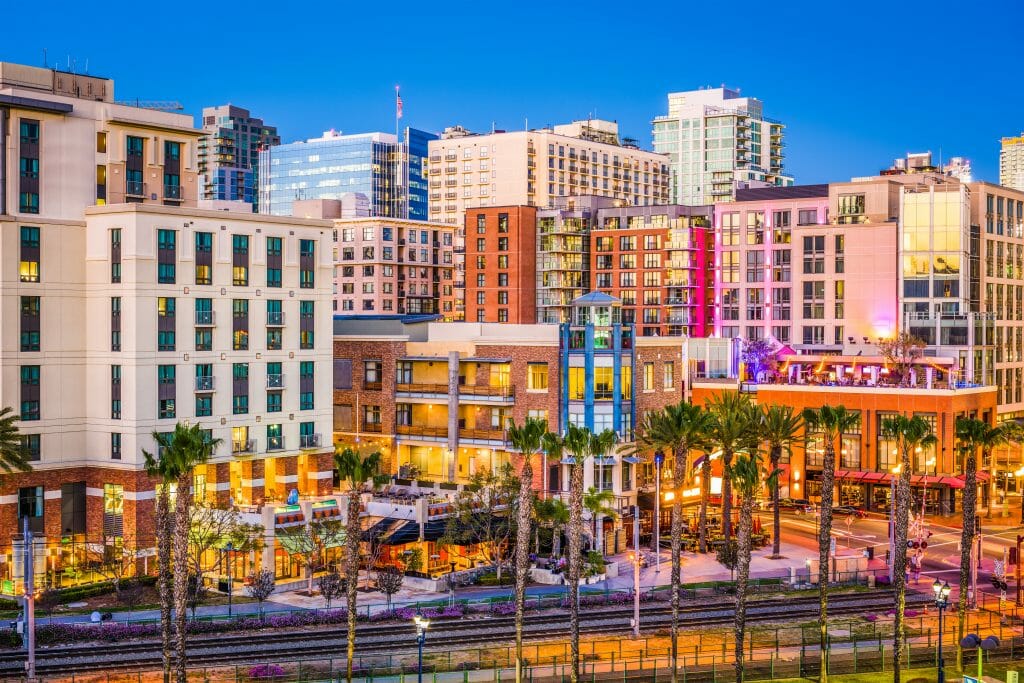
column 604, row 460
column 631, row 459
column 289, row 516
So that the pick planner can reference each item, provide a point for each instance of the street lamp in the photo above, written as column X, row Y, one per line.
column 973, row 640
column 659, row 460
column 924, row 492
column 422, row 624
column 941, row 591
column 228, row 548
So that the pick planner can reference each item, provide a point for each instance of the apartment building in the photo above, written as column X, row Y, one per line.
column 535, row 167
column 1011, row 162
column 436, row 398
column 393, row 266
column 228, row 155
column 501, row 264
column 718, row 142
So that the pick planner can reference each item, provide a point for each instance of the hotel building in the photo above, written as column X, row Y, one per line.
column 718, row 142
column 228, row 155
column 1011, row 162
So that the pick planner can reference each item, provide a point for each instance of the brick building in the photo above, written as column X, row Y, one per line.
column 501, row 264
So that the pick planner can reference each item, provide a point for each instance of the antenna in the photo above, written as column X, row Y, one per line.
column 45, row 65
column 86, row 65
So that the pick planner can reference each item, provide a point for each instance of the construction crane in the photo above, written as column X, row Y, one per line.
column 157, row 105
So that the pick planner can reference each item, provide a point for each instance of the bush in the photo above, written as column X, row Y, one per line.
column 9, row 638
column 262, row 671
column 7, row 605
column 76, row 593
column 407, row 613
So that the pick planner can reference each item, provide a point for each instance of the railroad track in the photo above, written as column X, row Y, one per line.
column 395, row 638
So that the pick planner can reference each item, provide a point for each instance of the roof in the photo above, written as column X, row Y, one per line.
column 791, row 192
column 409, row 318
column 596, row 298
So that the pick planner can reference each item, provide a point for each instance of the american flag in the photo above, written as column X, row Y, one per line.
column 398, row 104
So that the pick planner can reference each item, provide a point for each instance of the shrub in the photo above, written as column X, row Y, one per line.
column 261, row 671
column 9, row 638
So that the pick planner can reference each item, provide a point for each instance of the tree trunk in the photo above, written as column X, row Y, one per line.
column 774, row 457
column 828, row 478
column 575, row 562
column 899, row 564
column 164, row 531
column 678, row 481
column 522, row 554
column 726, row 495
column 352, row 532
column 970, row 503
column 182, row 503
column 705, row 495
column 743, row 574
column 556, row 540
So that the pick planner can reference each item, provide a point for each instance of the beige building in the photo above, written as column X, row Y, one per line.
column 534, row 167
column 124, row 310
column 1011, row 162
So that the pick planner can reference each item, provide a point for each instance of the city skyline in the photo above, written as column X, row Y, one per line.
column 833, row 132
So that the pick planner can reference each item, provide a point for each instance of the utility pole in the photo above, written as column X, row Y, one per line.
column 976, row 565
column 659, row 459
column 636, row 571
column 30, row 604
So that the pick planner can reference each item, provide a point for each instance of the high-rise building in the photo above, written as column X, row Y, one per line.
column 1011, row 162
column 535, row 168
column 386, row 175
column 127, row 310
column 229, row 153
column 718, row 142
column 501, row 264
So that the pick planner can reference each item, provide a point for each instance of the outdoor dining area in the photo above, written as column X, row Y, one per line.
column 863, row 371
column 760, row 537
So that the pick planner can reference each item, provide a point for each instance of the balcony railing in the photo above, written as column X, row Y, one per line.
column 135, row 188
column 275, row 381
column 483, row 434
column 421, row 388
column 205, row 318
column 372, row 386
column 243, row 446
column 204, row 383
column 469, row 390
column 275, row 318
column 309, row 441
column 412, row 430
column 373, row 427
column 275, row 443
column 173, row 192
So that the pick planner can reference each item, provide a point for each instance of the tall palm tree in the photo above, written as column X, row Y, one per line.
column 355, row 469
column 745, row 474
column 160, row 467
column 177, row 457
column 731, row 429
column 528, row 440
column 600, row 505
column 13, row 457
column 909, row 434
column 831, row 422
column 679, row 429
column 780, row 426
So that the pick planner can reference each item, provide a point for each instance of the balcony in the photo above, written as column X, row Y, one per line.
column 275, row 318
column 204, row 383
column 428, row 432
column 173, row 193
column 275, row 443
column 243, row 446
column 421, row 389
column 371, row 386
column 483, row 435
column 205, row 319
column 487, row 394
column 275, row 381
column 309, row 441
column 373, row 427
column 135, row 188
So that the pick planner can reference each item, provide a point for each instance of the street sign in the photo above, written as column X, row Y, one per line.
column 1011, row 677
column 970, row 679
column 832, row 546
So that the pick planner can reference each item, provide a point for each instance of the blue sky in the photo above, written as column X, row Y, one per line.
column 857, row 84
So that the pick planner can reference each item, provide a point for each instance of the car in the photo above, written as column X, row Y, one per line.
column 848, row 510
column 797, row 505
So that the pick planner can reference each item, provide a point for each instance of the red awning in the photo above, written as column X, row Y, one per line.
column 952, row 482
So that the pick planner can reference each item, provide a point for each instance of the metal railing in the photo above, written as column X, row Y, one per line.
column 204, row 382
column 309, row 440
column 135, row 188
column 275, row 318
column 275, row 381
column 412, row 430
column 205, row 318
column 421, row 388
column 243, row 446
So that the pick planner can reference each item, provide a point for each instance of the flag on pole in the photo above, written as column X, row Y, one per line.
column 398, row 103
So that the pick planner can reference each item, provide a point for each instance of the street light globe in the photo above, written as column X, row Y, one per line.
column 937, row 587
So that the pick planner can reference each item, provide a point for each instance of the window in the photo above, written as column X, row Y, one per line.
column 274, row 261
column 240, row 260
column 240, row 388
column 204, row 258
column 814, row 334
column 166, row 390
column 840, row 255
column 31, row 443
column 781, row 265
column 30, row 323
column 115, row 255
column 240, row 323
column 373, row 371
column 648, row 376
column 115, row 323
column 29, row 266
column 814, row 254
column 307, row 249
column 781, row 227
column 165, row 309
column 273, row 401
column 115, row 392
column 670, row 375
column 807, row 217
column 29, row 393
column 755, row 266
column 204, row 405
column 115, row 446
column 306, row 320
column 275, row 440
column 814, row 300
column 850, row 205
column 840, row 291
column 781, row 301
column 30, row 505
column 166, row 249
column 537, row 376
column 306, row 385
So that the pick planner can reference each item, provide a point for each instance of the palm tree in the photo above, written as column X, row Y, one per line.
column 355, row 469
column 599, row 504
column 177, row 457
column 780, row 426
column 831, row 422
column 745, row 474
column 972, row 434
column 554, row 513
column 678, row 428
column 13, row 457
column 528, row 440
column 910, row 434
column 731, row 429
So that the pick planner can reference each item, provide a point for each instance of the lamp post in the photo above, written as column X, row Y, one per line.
column 421, row 624
column 636, row 571
column 659, row 460
column 228, row 548
column 941, row 591
column 451, row 583
column 30, row 603
column 973, row 640
column 924, row 491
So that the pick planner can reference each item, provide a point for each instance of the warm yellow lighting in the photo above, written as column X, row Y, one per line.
column 897, row 469
column 670, row 496
column 796, row 476
column 796, row 486
column 930, row 462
